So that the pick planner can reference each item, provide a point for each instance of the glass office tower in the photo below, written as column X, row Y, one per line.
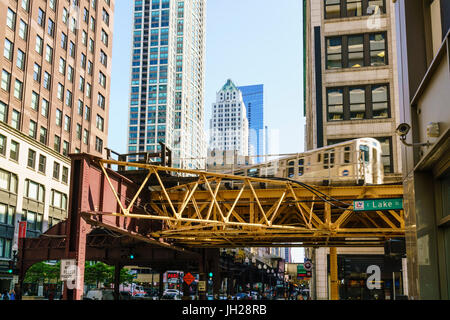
column 167, row 80
column 254, row 101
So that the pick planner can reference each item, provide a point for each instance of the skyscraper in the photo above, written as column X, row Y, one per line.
column 254, row 102
column 54, row 100
column 167, row 80
column 229, row 123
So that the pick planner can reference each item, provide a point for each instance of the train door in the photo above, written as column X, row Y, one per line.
column 366, row 168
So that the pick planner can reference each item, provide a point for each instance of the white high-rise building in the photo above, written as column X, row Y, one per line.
column 167, row 80
column 229, row 123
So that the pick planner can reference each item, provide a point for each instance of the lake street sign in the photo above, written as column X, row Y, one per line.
column 378, row 204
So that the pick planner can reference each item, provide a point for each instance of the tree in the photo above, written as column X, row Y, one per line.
column 43, row 272
column 98, row 273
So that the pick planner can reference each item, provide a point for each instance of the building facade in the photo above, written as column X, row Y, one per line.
column 167, row 80
column 351, row 87
column 352, row 91
column 54, row 100
column 229, row 124
column 254, row 102
column 423, row 45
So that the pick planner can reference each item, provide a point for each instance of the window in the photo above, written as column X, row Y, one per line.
column 3, row 112
column 41, row 17
column 51, row 27
column 69, row 98
column 358, row 103
column 59, row 200
column 63, row 41
column 60, row 93
column 56, row 168
column 6, row 217
column 353, row 8
column 57, row 144
column 58, row 117
column 14, row 150
column 39, row 43
column 20, row 59
column 65, row 174
column 355, row 51
column 335, row 102
column 86, row 137
column 37, row 73
column 67, row 123
column 70, row 74
column 8, row 50
column 98, row 144
column 87, row 113
column 8, row 181
column 2, row 145
column 47, row 80
column 34, row 220
column 44, row 108
column 33, row 129
column 62, row 66
column 31, row 158
column 380, row 101
column 11, row 19
column 43, row 135
column 34, row 101
column 65, row 148
column 78, row 131
column 42, row 163
column 378, row 49
column 101, row 101
column 23, row 30
column 334, row 52
column 100, row 123
column 6, row 80
column 15, row 119
column 102, row 79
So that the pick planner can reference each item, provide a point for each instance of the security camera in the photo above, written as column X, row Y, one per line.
column 403, row 129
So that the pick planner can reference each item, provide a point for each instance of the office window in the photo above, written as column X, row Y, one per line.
column 34, row 101
column 47, row 80
column 15, row 119
column 67, row 123
column 62, row 66
column 354, row 8
column 335, row 101
column 56, row 168
column 37, row 72
column 65, row 175
column 41, row 17
column 39, row 43
column 51, row 27
column 42, row 163
column 3, row 142
column 78, row 131
column 57, row 144
column 43, row 135
column 86, row 137
column 23, row 30
column 3, row 112
column 49, row 54
column 11, row 19
column 70, row 73
column 65, row 150
column 100, row 123
column 357, row 103
column 334, row 52
column 6, row 80
column 59, row 200
column 58, row 117
column 8, row 49
column 380, row 101
column 14, row 150
column 355, row 51
column 44, row 108
column 60, row 92
column 332, row 9
column 378, row 49
column 8, row 181
column 33, row 129
column 20, row 59
column 31, row 158
column 18, row 89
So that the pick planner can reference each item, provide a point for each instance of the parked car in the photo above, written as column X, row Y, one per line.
column 105, row 294
column 171, row 294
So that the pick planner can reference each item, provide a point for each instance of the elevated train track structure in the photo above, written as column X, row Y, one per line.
column 168, row 216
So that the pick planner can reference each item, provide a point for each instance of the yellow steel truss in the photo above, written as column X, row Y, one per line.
column 220, row 210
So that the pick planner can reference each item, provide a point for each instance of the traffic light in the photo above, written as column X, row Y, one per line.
column 12, row 267
column 131, row 256
column 210, row 274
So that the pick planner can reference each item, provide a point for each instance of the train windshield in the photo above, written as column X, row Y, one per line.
column 364, row 153
column 254, row 172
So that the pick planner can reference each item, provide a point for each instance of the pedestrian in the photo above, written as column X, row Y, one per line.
column 5, row 295
column 12, row 295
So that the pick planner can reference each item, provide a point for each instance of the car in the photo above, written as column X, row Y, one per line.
column 106, row 294
column 171, row 294
column 241, row 296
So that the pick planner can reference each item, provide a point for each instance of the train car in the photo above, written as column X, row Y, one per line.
column 352, row 162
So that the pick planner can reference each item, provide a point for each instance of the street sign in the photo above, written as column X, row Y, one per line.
column 188, row 278
column 68, row 269
column 307, row 265
column 22, row 229
column 301, row 272
column 202, row 286
column 378, row 204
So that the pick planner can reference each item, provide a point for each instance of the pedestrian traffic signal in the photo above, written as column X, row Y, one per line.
column 131, row 256
column 210, row 274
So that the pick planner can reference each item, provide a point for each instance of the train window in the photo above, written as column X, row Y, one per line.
column 319, row 157
column 347, row 155
column 254, row 172
column 332, row 158
column 301, row 163
column 364, row 155
column 325, row 160
column 239, row 173
column 291, row 165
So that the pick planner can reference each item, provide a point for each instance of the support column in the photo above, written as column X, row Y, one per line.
column 334, row 274
column 161, row 284
column 202, row 273
column 117, row 270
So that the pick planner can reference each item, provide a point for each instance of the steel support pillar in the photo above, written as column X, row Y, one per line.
column 117, row 269
column 202, row 274
column 334, row 282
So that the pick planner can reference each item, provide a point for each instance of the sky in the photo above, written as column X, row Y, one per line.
column 248, row 41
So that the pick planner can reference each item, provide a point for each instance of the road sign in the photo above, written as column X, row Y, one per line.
column 301, row 272
column 202, row 286
column 68, row 269
column 307, row 265
column 378, row 204
column 22, row 229
column 188, row 278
